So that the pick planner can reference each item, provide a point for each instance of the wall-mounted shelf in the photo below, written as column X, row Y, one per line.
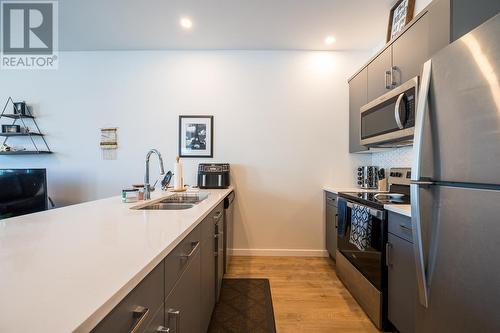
column 25, row 152
column 35, row 136
column 20, row 134
column 18, row 116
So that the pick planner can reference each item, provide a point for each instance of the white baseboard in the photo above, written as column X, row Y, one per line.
column 279, row 253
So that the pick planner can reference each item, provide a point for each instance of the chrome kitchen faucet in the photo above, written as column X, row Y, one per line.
column 147, row 187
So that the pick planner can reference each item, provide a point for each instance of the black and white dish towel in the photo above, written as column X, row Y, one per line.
column 361, row 227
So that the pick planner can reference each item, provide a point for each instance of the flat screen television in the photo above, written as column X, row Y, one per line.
column 22, row 191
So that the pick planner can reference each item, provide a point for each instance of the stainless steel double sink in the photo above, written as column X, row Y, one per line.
column 178, row 201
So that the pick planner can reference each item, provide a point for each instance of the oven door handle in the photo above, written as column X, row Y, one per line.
column 380, row 214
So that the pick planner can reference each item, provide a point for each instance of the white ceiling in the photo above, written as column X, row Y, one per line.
column 221, row 24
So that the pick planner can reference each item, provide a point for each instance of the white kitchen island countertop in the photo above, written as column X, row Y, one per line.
column 64, row 270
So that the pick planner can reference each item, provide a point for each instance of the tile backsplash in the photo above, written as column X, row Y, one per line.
column 401, row 157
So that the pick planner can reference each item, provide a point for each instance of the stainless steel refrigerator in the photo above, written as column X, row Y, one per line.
column 456, row 186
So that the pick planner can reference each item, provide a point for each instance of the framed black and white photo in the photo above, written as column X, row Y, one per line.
column 196, row 134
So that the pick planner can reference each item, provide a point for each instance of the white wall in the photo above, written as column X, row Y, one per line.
column 281, row 120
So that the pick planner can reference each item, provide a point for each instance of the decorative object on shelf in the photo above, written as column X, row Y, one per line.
column 20, row 108
column 196, row 136
column 8, row 129
column 22, row 113
column 401, row 14
column 109, row 143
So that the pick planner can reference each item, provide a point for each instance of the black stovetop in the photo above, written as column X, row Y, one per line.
column 379, row 199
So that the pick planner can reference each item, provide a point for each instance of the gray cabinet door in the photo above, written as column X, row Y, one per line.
column 411, row 50
column 136, row 309
column 402, row 284
column 331, row 229
column 357, row 98
column 182, row 306
column 207, row 275
column 468, row 15
column 376, row 73
column 158, row 322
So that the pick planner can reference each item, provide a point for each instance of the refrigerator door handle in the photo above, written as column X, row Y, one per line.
column 418, row 251
column 422, row 108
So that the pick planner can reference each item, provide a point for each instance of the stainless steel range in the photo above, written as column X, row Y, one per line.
column 361, row 238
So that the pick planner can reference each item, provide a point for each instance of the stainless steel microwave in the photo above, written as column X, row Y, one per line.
column 390, row 119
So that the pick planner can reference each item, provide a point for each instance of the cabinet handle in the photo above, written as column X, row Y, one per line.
column 388, row 247
column 163, row 329
column 333, row 200
column 402, row 226
column 218, row 216
column 194, row 246
column 139, row 313
column 177, row 315
column 386, row 79
column 393, row 82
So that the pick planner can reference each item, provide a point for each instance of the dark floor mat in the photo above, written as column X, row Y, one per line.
column 245, row 306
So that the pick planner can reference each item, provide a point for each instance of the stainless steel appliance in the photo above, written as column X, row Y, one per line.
column 219, row 253
column 456, row 186
column 363, row 269
column 390, row 119
column 213, row 175
column 368, row 177
column 228, row 229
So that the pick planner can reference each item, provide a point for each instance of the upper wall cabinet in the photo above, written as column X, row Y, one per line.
column 440, row 23
column 379, row 74
column 357, row 98
column 410, row 51
column 467, row 15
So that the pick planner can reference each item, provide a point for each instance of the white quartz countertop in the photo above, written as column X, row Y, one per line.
column 337, row 189
column 400, row 209
column 63, row 270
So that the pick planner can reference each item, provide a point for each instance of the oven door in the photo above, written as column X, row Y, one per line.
column 391, row 117
column 370, row 260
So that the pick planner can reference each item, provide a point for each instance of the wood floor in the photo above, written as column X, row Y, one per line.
column 307, row 294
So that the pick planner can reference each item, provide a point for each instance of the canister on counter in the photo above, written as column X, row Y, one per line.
column 130, row 195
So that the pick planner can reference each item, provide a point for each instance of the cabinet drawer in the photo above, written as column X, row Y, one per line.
column 138, row 307
column 177, row 261
column 402, row 285
column 400, row 225
column 158, row 321
column 208, row 224
column 182, row 306
column 331, row 199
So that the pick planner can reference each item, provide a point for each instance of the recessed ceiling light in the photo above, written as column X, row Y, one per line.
column 186, row 23
column 329, row 40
